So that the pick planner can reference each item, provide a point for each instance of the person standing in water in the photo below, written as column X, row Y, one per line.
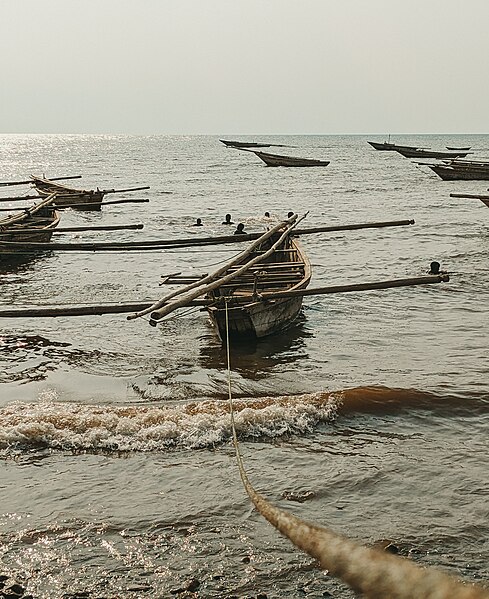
column 228, row 220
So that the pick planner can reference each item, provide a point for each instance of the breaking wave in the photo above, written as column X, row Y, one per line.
column 206, row 423
column 201, row 424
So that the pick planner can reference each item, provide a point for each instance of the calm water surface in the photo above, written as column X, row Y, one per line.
column 118, row 478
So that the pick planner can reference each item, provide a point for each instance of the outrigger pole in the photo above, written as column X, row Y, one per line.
column 9, row 183
column 123, row 308
column 187, row 242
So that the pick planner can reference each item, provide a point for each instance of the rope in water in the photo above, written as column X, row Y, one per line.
column 374, row 573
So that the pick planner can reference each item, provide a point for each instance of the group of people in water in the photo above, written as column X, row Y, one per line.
column 240, row 227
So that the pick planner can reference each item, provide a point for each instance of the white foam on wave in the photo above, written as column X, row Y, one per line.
column 135, row 428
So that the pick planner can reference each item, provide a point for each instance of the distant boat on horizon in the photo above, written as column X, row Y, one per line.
column 427, row 153
column 387, row 146
column 291, row 161
column 244, row 144
column 250, row 144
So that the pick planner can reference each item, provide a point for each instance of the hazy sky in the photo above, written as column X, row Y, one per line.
column 244, row 66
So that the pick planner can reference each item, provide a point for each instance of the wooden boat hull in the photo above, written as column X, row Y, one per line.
column 47, row 225
column 386, row 146
column 450, row 173
column 289, row 161
column 257, row 320
column 88, row 201
column 420, row 153
column 466, row 149
column 244, row 144
column 78, row 199
column 287, row 269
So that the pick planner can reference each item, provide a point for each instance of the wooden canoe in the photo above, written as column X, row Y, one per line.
column 424, row 153
column 244, row 144
column 276, row 160
column 461, row 172
column 39, row 222
column 466, row 149
column 387, row 146
column 287, row 268
column 483, row 198
column 80, row 199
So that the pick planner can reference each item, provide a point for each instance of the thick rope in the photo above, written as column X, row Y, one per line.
column 376, row 574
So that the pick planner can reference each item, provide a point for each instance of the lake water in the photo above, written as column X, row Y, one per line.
column 118, row 477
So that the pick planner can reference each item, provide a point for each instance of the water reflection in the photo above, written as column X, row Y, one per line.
column 27, row 358
column 255, row 358
column 20, row 262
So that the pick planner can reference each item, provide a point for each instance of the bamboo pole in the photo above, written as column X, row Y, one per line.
column 195, row 241
column 469, row 195
column 28, row 247
column 77, row 229
column 217, row 273
column 104, row 191
column 354, row 227
column 108, row 203
column 66, row 192
column 84, row 204
column 121, row 308
column 20, row 198
column 93, row 310
column 426, row 280
column 9, row 183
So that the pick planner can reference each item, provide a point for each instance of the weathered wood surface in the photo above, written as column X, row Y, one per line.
column 258, row 318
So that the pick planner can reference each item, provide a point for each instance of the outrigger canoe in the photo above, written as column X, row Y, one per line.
column 286, row 269
column 82, row 199
column 34, row 224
